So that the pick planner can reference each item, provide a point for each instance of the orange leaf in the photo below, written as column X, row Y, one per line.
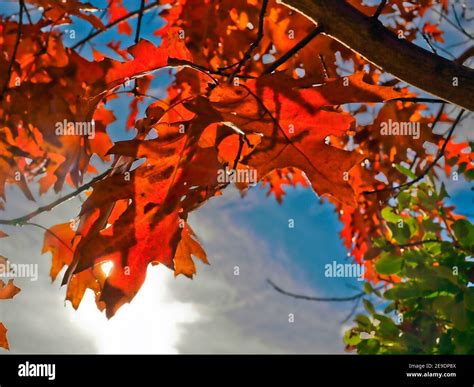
column 3, row 337
column 187, row 248
column 9, row 290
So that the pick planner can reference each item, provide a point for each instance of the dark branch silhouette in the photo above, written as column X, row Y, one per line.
column 311, row 298
column 255, row 43
column 15, row 49
column 298, row 46
column 380, row 8
column 114, row 23
column 24, row 219
column 384, row 49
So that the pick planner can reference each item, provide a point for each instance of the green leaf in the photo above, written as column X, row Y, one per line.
column 459, row 316
column 386, row 327
column 404, row 200
column 428, row 202
column 443, row 305
column 352, row 338
column 464, row 232
column 469, row 175
column 412, row 225
column 445, row 344
column 388, row 264
column 400, row 234
column 363, row 321
column 368, row 306
column 402, row 291
column 368, row 288
column 389, row 215
column 390, row 308
column 442, row 192
column 469, row 299
column 405, row 171
column 429, row 225
column 369, row 347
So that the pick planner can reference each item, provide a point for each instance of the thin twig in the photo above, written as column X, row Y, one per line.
column 419, row 100
column 104, row 12
column 380, row 8
column 25, row 218
column 310, row 298
column 15, row 49
column 49, row 232
column 139, row 21
column 428, row 41
column 137, row 38
column 413, row 162
column 462, row 30
column 325, row 67
column 255, row 43
column 27, row 12
column 456, row 17
column 114, row 23
column 352, row 312
column 239, row 152
column 298, row 46
column 438, row 116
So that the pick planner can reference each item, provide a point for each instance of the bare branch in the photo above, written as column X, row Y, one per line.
column 380, row 8
column 137, row 38
column 352, row 311
column 49, row 232
column 15, row 49
column 24, row 219
column 384, row 49
column 104, row 12
column 310, row 298
column 255, row 43
column 466, row 55
column 419, row 100
column 239, row 152
column 114, row 23
column 458, row 22
column 139, row 21
column 298, row 46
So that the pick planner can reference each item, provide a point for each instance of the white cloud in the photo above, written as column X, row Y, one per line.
column 217, row 312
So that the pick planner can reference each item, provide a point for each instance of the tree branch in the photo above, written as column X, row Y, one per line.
column 298, row 46
column 139, row 21
column 239, row 152
column 419, row 100
column 352, row 312
column 378, row 45
column 380, row 8
column 15, row 49
column 309, row 298
column 51, row 233
column 92, row 30
column 24, row 219
column 466, row 55
column 114, row 23
column 137, row 38
column 255, row 43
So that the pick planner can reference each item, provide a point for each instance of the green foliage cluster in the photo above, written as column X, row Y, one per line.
column 429, row 308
